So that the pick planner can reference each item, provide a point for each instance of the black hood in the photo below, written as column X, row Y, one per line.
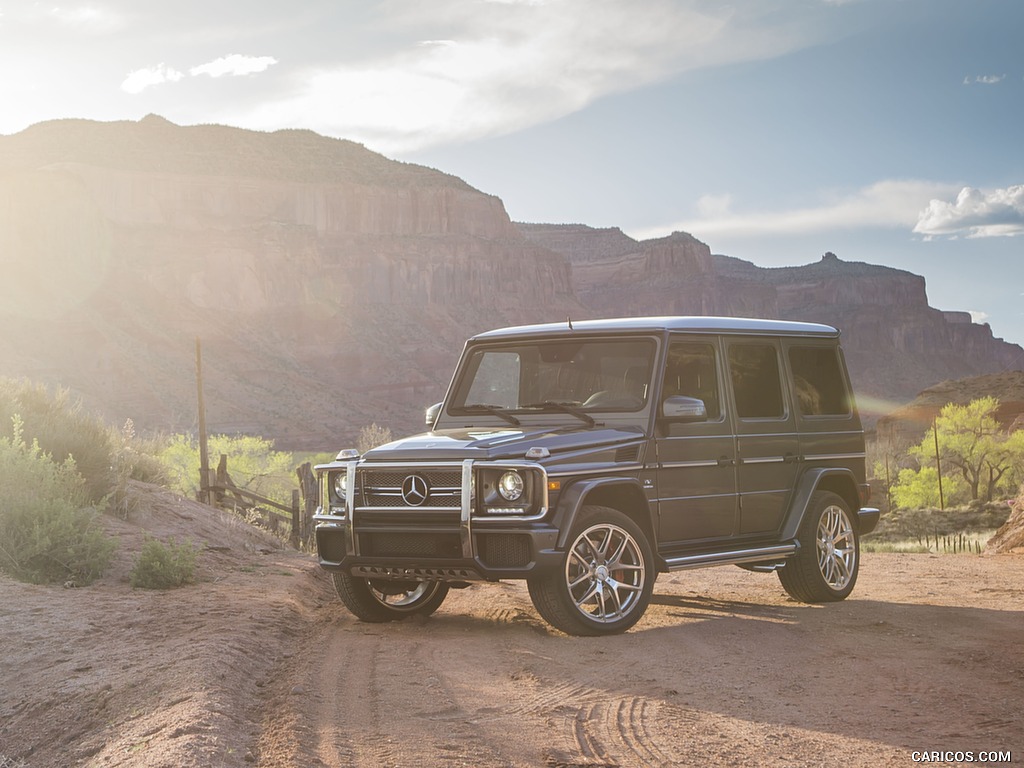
column 498, row 443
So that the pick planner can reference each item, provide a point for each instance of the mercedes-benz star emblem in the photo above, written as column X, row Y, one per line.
column 415, row 490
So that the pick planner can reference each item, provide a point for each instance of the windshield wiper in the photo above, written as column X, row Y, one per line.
column 497, row 410
column 564, row 408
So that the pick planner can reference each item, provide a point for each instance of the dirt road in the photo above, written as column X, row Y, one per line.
column 724, row 669
column 259, row 664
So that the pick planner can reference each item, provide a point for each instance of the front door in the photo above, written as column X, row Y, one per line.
column 697, row 460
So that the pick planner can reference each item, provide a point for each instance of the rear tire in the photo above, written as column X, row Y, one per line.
column 825, row 567
column 380, row 600
column 605, row 579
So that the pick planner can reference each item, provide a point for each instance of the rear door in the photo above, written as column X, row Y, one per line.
column 830, row 429
column 767, row 450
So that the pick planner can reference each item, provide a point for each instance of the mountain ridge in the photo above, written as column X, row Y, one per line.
column 333, row 287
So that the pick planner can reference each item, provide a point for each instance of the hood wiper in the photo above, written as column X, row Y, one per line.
column 564, row 408
column 497, row 410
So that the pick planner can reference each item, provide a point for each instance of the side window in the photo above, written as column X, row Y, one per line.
column 754, row 369
column 819, row 383
column 691, row 371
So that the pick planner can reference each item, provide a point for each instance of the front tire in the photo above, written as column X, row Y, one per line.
column 605, row 579
column 380, row 600
column 825, row 567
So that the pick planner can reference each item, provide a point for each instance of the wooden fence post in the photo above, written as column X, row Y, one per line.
column 310, row 489
column 204, row 457
column 296, row 536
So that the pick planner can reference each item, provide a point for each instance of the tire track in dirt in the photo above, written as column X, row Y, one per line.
column 347, row 676
column 378, row 696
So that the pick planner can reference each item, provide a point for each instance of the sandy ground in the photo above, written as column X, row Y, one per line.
column 259, row 664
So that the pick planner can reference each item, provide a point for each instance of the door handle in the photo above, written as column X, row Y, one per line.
column 726, row 461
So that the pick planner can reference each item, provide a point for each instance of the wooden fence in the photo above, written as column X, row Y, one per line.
column 223, row 492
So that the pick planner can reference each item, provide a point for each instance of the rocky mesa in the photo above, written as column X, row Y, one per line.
column 332, row 286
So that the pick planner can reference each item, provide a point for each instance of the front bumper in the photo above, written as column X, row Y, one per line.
column 372, row 534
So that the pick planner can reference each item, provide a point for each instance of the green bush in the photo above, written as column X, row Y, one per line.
column 62, row 429
column 46, row 532
column 253, row 465
column 132, row 459
column 160, row 566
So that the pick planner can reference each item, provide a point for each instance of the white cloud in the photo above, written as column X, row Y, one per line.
column 504, row 65
column 141, row 79
column 87, row 18
column 984, row 79
column 714, row 206
column 235, row 65
column 978, row 317
column 975, row 213
column 886, row 204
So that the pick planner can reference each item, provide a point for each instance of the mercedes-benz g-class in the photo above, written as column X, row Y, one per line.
column 589, row 457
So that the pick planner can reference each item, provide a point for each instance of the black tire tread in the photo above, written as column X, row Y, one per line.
column 355, row 594
column 549, row 597
column 801, row 577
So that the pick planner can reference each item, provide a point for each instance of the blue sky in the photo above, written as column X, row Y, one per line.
column 886, row 131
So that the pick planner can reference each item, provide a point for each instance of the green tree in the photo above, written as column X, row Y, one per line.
column 252, row 463
column 919, row 489
column 978, row 458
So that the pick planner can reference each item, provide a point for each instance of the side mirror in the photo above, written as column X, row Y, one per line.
column 432, row 413
column 682, row 408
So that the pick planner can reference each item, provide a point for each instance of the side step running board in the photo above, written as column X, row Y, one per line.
column 731, row 557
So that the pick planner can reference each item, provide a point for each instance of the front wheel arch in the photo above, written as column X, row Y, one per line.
column 623, row 494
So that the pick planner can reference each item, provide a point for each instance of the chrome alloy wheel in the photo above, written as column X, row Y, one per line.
column 837, row 547
column 605, row 573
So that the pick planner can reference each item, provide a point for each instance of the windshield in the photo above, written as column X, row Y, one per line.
column 571, row 377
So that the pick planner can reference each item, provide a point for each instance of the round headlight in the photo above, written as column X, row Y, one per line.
column 510, row 485
column 341, row 484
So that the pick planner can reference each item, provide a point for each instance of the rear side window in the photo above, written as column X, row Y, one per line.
column 754, row 369
column 818, row 381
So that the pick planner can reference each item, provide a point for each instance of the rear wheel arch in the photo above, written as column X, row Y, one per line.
column 844, row 486
column 839, row 481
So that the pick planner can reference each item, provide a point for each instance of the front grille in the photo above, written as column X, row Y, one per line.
column 383, row 487
column 504, row 550
column 427, row 545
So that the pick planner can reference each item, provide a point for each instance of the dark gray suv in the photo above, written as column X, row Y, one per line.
column 588, row 457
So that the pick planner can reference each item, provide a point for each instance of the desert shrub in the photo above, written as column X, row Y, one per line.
column 62, row 429
column 47, row 533
column 916, row 524
column 132, row 458
column 160, row 566
column 371, row 436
